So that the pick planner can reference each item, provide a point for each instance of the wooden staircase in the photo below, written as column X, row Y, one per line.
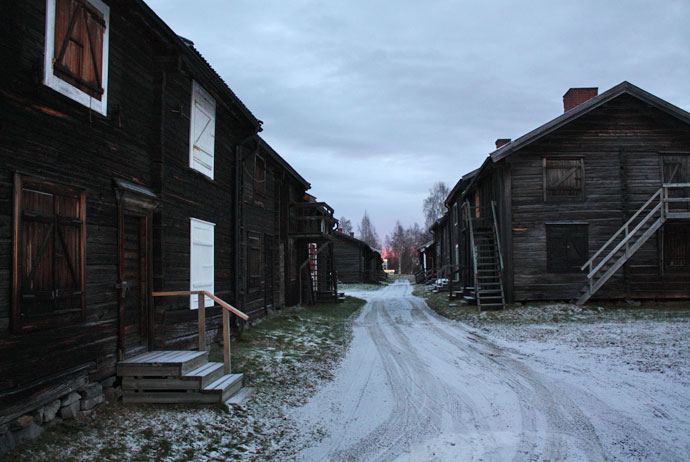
column 176, row 377
column 662, row 206
column 487, row 263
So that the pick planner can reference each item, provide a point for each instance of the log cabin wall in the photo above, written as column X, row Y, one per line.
column 186, row 193
column 620, row 144
column 349, row 259
column 44, row 134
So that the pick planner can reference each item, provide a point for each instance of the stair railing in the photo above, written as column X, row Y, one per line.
column 201, row 317
column 468, row 217
column 496, row 236
column 660, row 195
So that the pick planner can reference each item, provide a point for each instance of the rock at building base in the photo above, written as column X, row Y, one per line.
column 91, row 391
column 113, row 394
column 90, row 403
column 50, row 410
column 39, row 415
column 69, row 411
column 70, row 399
column 7, row 443
column 109, row 382
column 31, row 432
column 20, row 423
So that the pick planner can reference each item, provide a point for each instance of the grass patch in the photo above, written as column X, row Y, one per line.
column 554, row 312
column 285, row 358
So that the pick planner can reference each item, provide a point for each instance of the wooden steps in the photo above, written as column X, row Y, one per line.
column 172, row 377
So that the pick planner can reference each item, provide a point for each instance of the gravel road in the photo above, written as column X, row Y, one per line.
column 418, row 387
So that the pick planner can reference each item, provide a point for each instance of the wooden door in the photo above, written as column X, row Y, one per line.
column 268, row 271
column 676, row 247
column 134, row 287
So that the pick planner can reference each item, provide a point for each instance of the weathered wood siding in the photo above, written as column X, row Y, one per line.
column 44, row 134
column 620, row 143
column 349, row 261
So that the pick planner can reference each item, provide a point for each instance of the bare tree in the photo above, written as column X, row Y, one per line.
column 367, row 233
column 402, row 247
column 345, row 225
column 434, row 204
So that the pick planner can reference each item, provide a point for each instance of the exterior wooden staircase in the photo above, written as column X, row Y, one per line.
column 487, row 262
column 662, row 206
column 183, row 376
column 176, row 377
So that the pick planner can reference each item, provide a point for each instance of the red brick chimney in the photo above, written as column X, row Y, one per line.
column 576, row 96
column 502, row 142
column 340, row 230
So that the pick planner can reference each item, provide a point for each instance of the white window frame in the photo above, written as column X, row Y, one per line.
column 56, row 83
column 194, row 284
column 199, row 92
column 455, row 214
column 456, row 276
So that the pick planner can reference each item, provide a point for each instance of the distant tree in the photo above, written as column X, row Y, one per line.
column 345, row 225
column 434, row 204
column 402, row 245
column 396, row 244
column 367, row 233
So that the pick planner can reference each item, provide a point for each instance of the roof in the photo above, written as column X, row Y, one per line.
column 586, row 107
column 354, row 240
column 283, row 163
column 460, row 185
column 194, row 57
column 423, row 247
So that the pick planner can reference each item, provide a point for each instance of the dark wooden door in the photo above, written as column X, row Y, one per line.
column 676, row 247
column 134, row 284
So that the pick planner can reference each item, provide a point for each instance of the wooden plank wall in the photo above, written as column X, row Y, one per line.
column 619, row 140
column 348, row 260
column 43, row 133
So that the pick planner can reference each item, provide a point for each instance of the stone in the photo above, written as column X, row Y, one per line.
column 109, row 382
column 112, row 393
column 91, row 391
column 55, row 421
column 20, row 423
column 50, row 410
column 39, row 414
column 90, row 403
column 7, row 443
column 69, row 399
column 31, row 432
column 69, row 411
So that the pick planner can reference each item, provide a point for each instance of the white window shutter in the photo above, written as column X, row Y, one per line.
column 201, row 269
column 202, row 132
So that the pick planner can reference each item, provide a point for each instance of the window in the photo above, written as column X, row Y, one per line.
column 566, row 247
column 455, row 214
column 202, row 132
column 76, row 54
column 563, row 179
column 259, row 176
column 254, row 260
column 201, row 271
column 48, row 261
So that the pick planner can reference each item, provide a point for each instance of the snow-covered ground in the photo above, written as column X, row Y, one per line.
column 416, row 386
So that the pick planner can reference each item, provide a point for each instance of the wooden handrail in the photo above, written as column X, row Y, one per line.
column 621, row 229
column 201, row 314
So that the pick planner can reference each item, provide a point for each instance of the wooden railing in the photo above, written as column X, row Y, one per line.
column 201, row 314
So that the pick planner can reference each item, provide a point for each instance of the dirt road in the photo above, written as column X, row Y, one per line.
column 418, row 387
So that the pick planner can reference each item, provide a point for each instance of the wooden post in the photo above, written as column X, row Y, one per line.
column 201, row 312
column 226, row 340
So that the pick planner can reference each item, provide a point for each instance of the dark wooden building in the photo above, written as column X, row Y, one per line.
column 356, row 261
column 128, row 167
column 592, row 204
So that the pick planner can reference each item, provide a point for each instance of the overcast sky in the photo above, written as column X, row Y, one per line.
column 373, row 101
